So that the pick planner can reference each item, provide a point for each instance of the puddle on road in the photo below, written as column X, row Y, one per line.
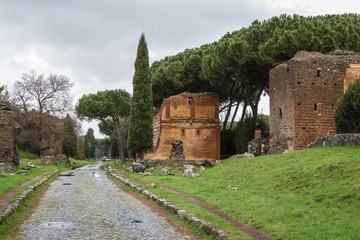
column 58, row 224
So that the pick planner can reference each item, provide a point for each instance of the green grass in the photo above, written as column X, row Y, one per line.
column 9, row 227
column 27, row 155
column 9, row 182
column 308, row 194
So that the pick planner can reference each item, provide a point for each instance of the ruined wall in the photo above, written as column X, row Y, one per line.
column 9, row 130
column 193, row 119
column 303, row 96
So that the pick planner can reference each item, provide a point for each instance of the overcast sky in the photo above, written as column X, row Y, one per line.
column 94, row 42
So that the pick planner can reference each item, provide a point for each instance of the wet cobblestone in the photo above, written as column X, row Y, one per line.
column 87, row 205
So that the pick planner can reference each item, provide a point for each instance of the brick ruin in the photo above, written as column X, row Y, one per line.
column 9, row 130
column 192, row 118
column 303, row 96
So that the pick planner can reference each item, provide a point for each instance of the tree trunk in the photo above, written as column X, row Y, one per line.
column 229, row 107
column 233, row 118
column 243, row 111
column 121, row 146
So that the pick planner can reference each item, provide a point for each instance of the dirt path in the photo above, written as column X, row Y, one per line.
column 6, row 198
column 246, row 229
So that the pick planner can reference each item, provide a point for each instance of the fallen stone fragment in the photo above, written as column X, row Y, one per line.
column 144, row 174
column 188, row 166
column 181, row 213
column 138, row 167
column 151, row 185
column 165, row 171
column 189, row 173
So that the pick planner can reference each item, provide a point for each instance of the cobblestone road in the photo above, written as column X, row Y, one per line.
column 87, row 205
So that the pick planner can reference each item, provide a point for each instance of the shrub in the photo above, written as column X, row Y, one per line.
column 347, row 113
column 227, row 143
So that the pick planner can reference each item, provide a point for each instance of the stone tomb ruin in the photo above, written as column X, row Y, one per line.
column 303, row 96
column 186, row 130
column 9, row 130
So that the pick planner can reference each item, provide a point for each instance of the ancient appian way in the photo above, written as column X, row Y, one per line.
column 85, row 204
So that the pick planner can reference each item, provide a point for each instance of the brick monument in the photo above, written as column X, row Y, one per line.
column 303, row 96
column 193, row 119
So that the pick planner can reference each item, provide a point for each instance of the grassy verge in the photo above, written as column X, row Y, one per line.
column 308, row 194
column 8, row 228
column 11, row 180
column 182, row 203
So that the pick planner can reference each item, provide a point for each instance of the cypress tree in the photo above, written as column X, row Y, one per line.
column 141, row 115
column 87, row 147
column 90, row 144
column 69, row 142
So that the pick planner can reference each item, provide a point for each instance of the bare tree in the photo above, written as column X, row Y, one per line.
column 38, row 102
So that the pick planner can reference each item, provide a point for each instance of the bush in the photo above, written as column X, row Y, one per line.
column 347, row 113
column 227, row 143
column 245, row 131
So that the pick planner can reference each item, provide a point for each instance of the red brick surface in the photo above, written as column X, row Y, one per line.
column 192, row 118
column 303, row 96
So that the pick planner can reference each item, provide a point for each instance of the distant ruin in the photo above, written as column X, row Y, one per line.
column 303, row 96
column 190, row 122
column 9, row 130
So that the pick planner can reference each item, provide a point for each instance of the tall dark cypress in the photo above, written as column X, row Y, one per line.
column 69, row 142
column 141, row 116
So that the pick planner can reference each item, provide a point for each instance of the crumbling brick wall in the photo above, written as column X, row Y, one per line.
column 9, row 130
column 192, row 118
column 303, row 96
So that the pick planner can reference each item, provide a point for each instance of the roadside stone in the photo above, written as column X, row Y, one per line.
column 222, row 235
column 21, row 172
column 146, row 174
column 30, row 164
column 151, row 185
column 165, row 171
column 150, row 169
column 48, row 160
column 162, row 202
column 138, row 167
column 189, row 173
column 129, row 169
column 188, row 166
column 181, row 213
column 206, row 163
column 172, row 208
column 146, row 193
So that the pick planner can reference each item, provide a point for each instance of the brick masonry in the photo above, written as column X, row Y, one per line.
column 9, row 130
column 303, row 96
column 192, row 118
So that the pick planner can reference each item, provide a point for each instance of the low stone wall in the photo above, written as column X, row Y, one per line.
column 172, row 208
column 347, row 139
column 11, row 208
column 170, row 162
